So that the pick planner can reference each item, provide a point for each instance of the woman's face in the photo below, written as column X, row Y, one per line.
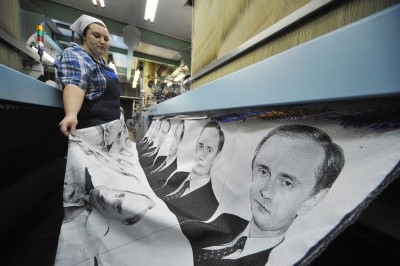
column 97, row 40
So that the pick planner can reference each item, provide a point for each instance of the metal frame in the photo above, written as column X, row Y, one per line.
column 17, row 45
column 268, row 33
column 358, row 61
column 18, row 87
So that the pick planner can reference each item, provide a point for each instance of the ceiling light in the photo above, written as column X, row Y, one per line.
column 45, row 55
column 96, row 2
column 112, row 65
column 134, row 84
column 181, row 76
column 151, row 6
column 176, row 72
column 136, row 76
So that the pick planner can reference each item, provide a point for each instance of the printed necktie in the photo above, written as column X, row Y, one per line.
column 204, row 255
column 179, row 193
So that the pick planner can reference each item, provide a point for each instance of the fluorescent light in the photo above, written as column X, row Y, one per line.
column 181, row 76
column 112, row 65
column 176, row 71
column 151, row 6
column 134, row 84
column 45, row 55
column 136, row 76
column 48, row 57
column 96, row 2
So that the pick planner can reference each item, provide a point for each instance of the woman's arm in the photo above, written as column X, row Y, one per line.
column 73, row 98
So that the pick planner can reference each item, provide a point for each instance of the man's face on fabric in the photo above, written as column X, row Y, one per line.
column 206, row 151
column 284, row 176
column 177, row 139
column 119, row 205
column 73, row 192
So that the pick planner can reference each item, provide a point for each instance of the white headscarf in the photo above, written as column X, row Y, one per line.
column 82, row 22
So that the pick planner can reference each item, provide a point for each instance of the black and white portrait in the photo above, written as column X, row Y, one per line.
column 251, row 192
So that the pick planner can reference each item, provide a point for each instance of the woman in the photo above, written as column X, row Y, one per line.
column 91, row 89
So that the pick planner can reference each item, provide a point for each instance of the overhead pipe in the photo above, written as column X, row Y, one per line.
column 132, row 36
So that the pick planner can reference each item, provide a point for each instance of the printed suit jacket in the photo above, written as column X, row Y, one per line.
column 148, row 151
column 256, row 259
column 144, row 147
column 224, row 229
column 145, row 162
column 158, row 179
column 158, row 161
column 200, row 204
column 142, row 143
column 172, row 184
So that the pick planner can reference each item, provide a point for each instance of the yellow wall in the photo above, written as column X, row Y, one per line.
column 10, row 23
column 149, row 70
column 221, row 26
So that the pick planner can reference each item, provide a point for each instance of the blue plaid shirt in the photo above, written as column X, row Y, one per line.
column 75, row 66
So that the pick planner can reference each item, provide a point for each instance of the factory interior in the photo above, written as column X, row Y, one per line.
column 238, row 63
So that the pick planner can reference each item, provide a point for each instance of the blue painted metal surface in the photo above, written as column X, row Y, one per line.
column 360, row 60
column 18, row 87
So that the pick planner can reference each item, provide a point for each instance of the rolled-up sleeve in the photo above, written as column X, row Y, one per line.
column 72, row 69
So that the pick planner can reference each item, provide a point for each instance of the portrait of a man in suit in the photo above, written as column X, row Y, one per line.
column 124, row 206
column 164, row 166
column 151, row 134
column 190, row 195
column 293, row 168
column 150, row 153
column 93, row 222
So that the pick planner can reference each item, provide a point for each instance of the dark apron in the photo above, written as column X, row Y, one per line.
column 105, row 108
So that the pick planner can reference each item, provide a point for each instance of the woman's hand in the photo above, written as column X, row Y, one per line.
column 73, row 98
column 68, row 124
